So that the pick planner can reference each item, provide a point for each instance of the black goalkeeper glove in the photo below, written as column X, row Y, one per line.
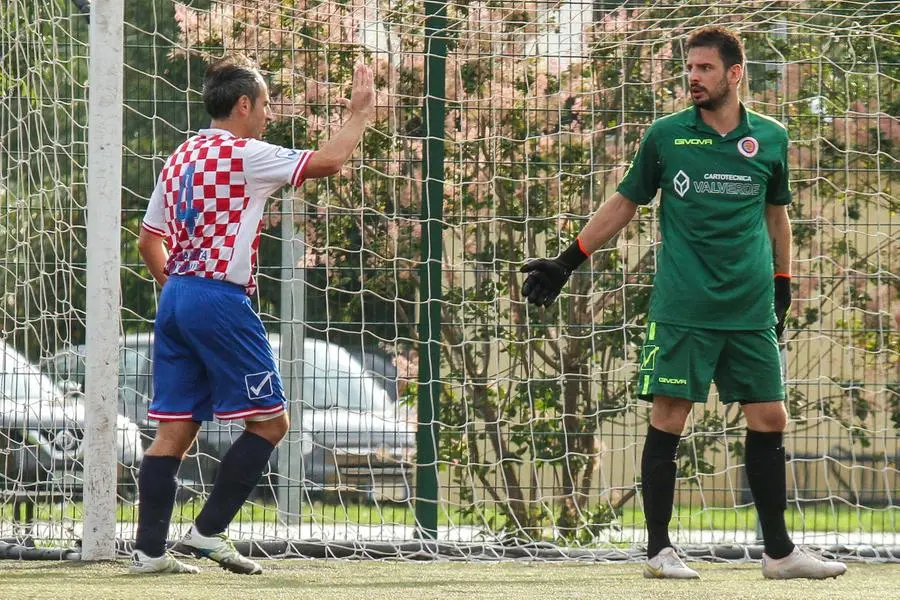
column 547, row 276
column 782, row 302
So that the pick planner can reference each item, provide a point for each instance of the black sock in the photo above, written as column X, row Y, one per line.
column 156, row 498
column 658, row 486
column 241, row 468
column 766, row 476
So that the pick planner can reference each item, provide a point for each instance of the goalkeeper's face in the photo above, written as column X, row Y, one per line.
column 710, row 82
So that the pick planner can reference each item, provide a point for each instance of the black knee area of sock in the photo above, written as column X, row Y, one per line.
column 765, row 465
column 658, row 486
column 239, row 472
column 762, row 442
column 157, row 487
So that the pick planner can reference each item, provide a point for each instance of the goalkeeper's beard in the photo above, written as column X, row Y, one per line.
column 714, row 99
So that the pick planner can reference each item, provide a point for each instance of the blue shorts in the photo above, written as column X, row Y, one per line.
column 211, row 355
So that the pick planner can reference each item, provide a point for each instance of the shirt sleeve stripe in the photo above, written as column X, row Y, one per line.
column 297, row 178
column 151, row 229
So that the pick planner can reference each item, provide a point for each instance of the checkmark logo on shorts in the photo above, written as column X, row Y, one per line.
column 259, row 385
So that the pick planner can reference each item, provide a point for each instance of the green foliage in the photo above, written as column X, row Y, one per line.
column 43, row 120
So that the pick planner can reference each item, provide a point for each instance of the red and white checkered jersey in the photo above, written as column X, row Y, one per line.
column 209, row 199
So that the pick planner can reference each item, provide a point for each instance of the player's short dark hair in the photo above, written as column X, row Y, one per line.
column 227, row 79
column 730, row 47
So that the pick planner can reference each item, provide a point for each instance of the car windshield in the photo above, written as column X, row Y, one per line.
column 20, row 379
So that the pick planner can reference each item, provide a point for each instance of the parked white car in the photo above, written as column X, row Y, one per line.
column 42, row 432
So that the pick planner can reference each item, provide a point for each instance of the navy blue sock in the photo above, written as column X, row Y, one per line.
column 658, row 486
column 765, row 467
column 240, row 471
column 156, row 497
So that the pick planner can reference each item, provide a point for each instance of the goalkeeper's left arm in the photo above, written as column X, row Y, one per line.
column 779, row 227
column 547, row 276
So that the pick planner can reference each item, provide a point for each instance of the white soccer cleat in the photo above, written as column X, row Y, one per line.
column 800, row 565
column 668, row 565
column 220, row 549
column 141, row 563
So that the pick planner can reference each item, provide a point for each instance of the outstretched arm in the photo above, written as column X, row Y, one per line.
column 547, row 276
column 610, row 218
column 329, row 159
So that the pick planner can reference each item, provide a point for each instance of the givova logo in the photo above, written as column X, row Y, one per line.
column 673, row 380
column 693, row 142
column 681, row 182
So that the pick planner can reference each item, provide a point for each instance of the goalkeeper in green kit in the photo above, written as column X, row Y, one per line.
column 719, row 303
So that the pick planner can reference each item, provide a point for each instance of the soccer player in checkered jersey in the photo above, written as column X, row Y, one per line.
column 719, row 303
column 211, row 357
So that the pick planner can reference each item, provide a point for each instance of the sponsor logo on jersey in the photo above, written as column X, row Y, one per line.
column 191, row 255
column 673, row 380
column 748, row 146
column 288, row 153
column 693, row 142
column 681, row 182
column 726, row 177
column 728, row 184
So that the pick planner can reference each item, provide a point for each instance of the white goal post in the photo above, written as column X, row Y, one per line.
column 104, row 193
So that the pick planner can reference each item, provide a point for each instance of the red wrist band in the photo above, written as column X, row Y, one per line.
column 581, row 247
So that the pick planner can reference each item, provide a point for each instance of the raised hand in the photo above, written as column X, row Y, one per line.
column 362, row 95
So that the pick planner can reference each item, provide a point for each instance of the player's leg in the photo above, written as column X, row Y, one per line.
column 240, row 471
column 765, row 466
column 750, row 373
column 764, row 463
column 658, row 465
column 667, row 419
column 676, row 370
column 179, row 389
column 246, row 385
column 157, row 487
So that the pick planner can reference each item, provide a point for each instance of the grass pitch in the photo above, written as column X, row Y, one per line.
column 399, row 580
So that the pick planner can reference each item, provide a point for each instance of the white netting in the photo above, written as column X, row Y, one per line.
column 540, row 435
column 43, row 93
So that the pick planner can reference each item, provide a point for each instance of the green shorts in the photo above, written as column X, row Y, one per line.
column 681, row 362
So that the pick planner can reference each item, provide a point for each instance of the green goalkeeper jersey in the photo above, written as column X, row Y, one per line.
column 714, row 265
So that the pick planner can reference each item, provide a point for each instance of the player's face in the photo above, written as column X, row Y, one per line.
column 709, row 81
column 260, row 114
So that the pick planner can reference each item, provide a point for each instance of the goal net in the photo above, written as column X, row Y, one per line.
column 539, row 432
